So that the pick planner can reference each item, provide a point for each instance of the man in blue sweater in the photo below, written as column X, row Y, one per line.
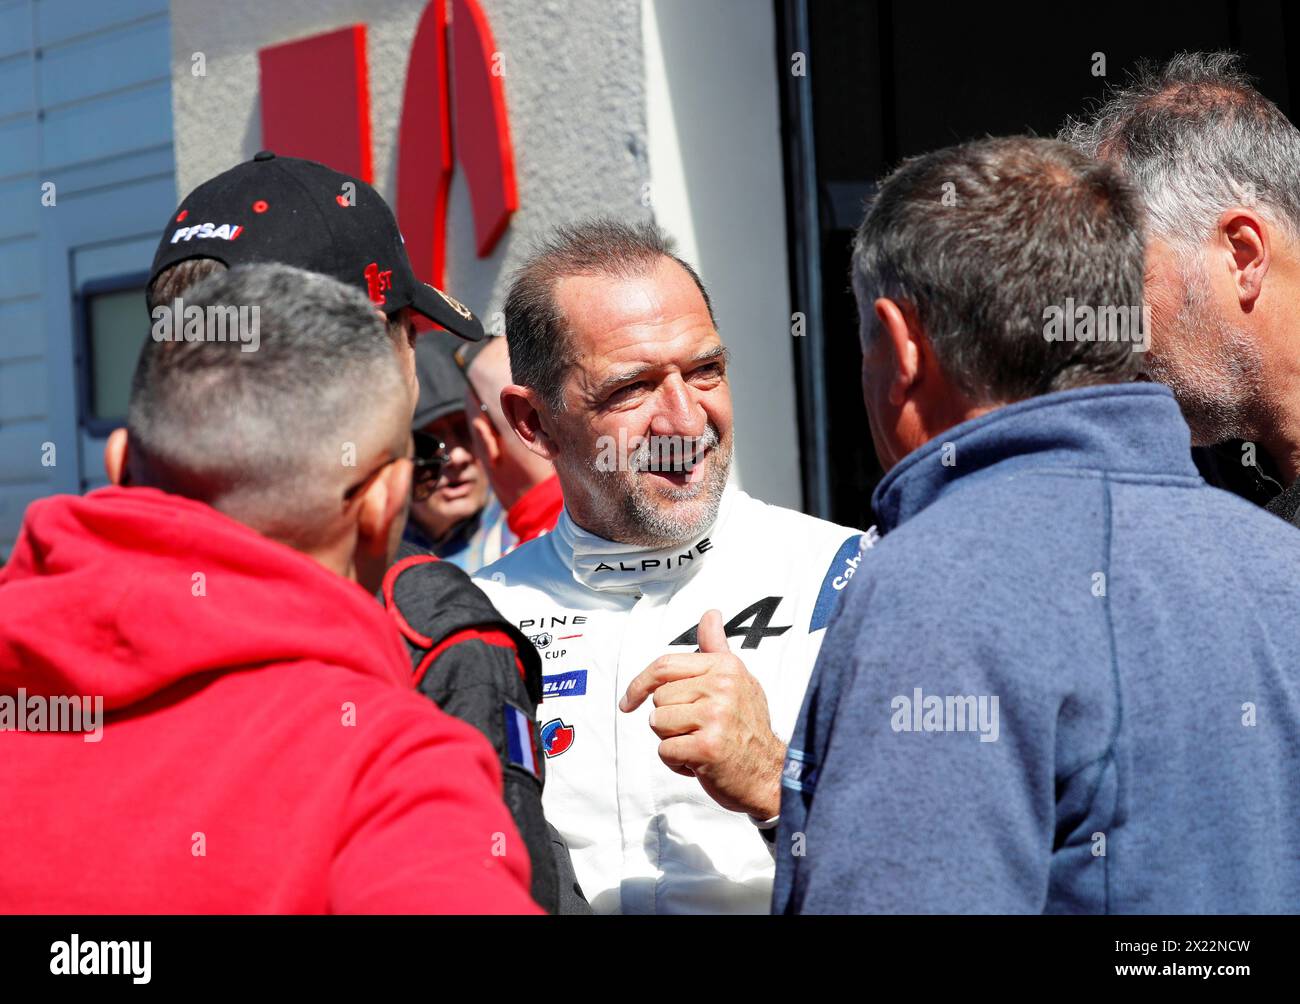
column 1033, row 696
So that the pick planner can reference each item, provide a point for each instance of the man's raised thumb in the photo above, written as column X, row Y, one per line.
column 711, row 636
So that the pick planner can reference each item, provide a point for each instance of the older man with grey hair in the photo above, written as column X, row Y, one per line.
column 1025, row 703
column 1218, row 167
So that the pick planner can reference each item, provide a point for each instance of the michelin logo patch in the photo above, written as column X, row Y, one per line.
column 572, row 684
column 843, row 565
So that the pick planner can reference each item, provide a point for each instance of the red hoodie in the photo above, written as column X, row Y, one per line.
column 228, row 778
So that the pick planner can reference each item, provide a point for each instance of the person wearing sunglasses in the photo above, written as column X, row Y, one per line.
column 454, row 513
column 427, row 460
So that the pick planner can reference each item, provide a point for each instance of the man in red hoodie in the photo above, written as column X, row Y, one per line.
column 261, row 748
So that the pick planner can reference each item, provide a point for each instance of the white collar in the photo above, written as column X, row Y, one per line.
column 607, row 565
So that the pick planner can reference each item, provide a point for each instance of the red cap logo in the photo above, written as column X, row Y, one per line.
column 377, row 282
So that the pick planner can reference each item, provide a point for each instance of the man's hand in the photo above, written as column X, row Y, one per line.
column 712, row 717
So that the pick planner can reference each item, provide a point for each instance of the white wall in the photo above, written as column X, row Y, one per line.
column 717, row 185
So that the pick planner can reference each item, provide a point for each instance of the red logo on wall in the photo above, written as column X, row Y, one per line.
column 316, row 104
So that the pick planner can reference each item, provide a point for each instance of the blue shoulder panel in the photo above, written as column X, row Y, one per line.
column 843, row 565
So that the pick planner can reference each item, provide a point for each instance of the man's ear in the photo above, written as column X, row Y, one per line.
column 386, row 499
column 522, row 410
column 381, row 518
column 116, row 452
column 1248, row 248
column 907, row 345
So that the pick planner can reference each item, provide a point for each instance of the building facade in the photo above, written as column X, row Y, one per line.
column 87, row 174
column 640, row 109
column 751, row 130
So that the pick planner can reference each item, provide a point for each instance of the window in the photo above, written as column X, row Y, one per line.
column 114, row 325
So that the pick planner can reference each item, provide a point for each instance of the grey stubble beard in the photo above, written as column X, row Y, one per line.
column 1218, row 376
column 626, row 513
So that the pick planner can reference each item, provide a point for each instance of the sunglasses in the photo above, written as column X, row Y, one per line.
column 430, row 456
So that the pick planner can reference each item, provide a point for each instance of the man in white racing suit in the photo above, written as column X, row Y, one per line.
column 678, row 619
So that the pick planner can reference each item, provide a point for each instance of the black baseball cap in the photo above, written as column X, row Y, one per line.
column 301, row 213
column 442, row 385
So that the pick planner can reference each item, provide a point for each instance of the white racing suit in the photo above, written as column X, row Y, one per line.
column 644, row 839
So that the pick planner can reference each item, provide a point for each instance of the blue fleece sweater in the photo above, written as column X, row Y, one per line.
column 1065, row 680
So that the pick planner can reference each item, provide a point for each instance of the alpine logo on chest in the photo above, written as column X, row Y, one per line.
column 754, row 623
column 645, row 564
column 551, row 625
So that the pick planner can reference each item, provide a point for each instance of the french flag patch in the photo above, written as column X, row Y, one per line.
column 519, row 739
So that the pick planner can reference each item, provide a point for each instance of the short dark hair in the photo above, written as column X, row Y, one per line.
column 536, row 330
column 173, row 281
column 980, row 239
column 1195, row 137
column 261, row 433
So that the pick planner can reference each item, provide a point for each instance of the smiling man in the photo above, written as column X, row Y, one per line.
column 678, row 619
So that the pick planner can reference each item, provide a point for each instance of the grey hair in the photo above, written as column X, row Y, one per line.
column 262, row 434
column 1195, row 138
column 536, row 329
column 980, row 239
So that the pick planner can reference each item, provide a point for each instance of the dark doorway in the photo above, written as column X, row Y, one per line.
column 890, row 80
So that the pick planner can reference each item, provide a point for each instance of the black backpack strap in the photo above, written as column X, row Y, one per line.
column 479, row 668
